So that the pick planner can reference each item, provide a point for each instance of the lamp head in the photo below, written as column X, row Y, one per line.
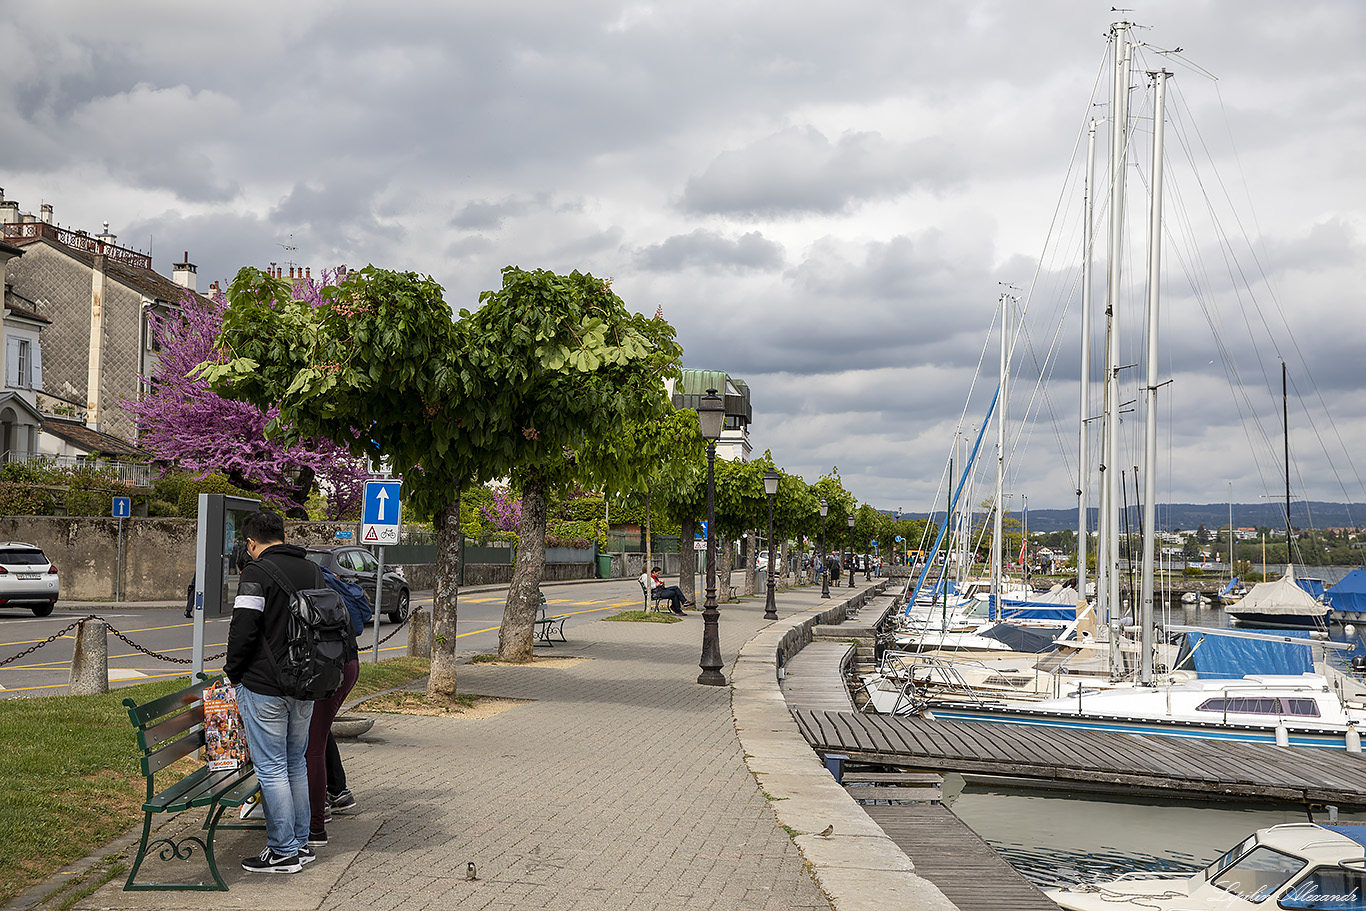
column 711, row 415
column 850, row 520
column 825, row 509
column 771, row 482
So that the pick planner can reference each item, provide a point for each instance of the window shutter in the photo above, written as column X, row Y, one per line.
column 12, row 362
column 38, row 365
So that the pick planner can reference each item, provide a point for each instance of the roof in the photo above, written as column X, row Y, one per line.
column 146, row 282
column 694, row 384
column 21, row 306
column 83, row 437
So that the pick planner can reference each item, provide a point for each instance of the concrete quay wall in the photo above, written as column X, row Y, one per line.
column 857, row 866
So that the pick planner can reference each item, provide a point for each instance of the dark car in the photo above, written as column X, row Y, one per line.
column 356, row 564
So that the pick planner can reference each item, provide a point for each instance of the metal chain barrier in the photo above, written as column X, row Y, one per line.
column 146, row 651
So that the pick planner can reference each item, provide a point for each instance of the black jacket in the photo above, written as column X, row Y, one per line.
column 260, row 615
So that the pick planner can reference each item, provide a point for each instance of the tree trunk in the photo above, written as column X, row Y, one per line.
column 524, row 594
column 751, row 559
column 687, row 561
column 449, row 553
column 723, row 569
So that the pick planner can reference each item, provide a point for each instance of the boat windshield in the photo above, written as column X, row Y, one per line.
column 1257, row 875
column 1328, row 889
column 1223, row 860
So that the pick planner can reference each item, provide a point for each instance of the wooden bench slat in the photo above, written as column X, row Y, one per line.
column 159, row 759
column 140, row 714
column 154, row 735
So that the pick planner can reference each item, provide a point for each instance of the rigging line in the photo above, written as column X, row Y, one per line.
column 1236, row 384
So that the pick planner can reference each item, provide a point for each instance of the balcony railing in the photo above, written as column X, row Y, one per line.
column 133, row 474
column 77, row 240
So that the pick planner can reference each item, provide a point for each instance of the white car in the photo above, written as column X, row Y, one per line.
column 27, row 578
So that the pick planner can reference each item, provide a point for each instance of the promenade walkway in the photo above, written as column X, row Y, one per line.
column 621, row 784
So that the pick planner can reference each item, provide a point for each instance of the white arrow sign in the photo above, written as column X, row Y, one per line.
column 381, row 496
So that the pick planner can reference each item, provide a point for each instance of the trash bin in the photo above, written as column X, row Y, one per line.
column 604, row 566
column 761, row 582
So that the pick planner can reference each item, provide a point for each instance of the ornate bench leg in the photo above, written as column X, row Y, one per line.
column 142, row 852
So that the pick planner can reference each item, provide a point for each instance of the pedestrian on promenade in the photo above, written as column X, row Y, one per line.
column 652, row 581
column 326, row 778
column 276, row 724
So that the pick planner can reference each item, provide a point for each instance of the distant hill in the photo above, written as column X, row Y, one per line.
column 1189, row 516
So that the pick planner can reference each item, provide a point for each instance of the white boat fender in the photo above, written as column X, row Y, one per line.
column 1353, row 738
column 1282, row 735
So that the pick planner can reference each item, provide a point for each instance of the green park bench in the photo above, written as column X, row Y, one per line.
column 546, row 625
column 169, row 729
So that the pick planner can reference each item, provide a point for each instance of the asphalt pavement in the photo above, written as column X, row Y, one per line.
column 161, row 627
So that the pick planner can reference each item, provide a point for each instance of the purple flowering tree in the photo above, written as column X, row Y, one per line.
column 505, row 512
column 183, row 422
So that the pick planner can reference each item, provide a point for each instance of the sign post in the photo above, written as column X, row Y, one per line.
column 122, row 509
column 379, row 526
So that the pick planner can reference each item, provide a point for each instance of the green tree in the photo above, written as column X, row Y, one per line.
column 561, row 362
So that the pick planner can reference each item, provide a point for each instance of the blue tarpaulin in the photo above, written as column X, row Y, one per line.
column 1350, row 593
column 1222, row 657
column 1313, row 586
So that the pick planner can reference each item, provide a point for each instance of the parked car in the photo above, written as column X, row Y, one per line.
column 354, row 563
column 27, row 577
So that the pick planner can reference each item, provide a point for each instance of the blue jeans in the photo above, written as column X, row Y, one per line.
column 277, row 732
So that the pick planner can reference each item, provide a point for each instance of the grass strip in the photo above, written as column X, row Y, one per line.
column 69, row 782
column 644, row 616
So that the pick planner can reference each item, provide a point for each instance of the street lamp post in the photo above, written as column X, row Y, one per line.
column 770, row 488
column 711, row 416
column 825, row 570
column 851, row 549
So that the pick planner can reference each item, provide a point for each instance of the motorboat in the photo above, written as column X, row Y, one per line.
column 1296, row 865
column 1287, row 709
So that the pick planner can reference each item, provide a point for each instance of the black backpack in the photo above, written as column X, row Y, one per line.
column 316, row 638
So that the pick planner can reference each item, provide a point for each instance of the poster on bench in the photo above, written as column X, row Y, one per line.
column 225, row 741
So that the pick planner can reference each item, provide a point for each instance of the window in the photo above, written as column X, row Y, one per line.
column 1256, row 876
column 1305, row 708
column 21, row 366
column 1229, row 856
column 1328, row 889
column 367, row 563
column 1243, row 705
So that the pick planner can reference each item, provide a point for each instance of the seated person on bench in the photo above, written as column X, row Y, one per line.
column 658, row 589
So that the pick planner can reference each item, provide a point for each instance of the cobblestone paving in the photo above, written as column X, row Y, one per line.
column 622, row 786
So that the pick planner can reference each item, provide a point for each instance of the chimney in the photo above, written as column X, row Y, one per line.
column 308, row 272
column 46, row 212
column 184, row 274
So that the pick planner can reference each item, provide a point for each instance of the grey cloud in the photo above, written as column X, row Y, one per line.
column 711, row 250
column 799, row 170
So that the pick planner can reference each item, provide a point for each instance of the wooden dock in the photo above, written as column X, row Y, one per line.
column 956, row 859
column 1179, row 766
column 815, row 677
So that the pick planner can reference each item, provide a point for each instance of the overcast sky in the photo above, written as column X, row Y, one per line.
column 823, row 197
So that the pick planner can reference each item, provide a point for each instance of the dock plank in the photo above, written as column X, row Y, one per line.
column 1228, row 770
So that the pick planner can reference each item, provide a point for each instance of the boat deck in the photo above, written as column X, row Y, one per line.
column 1184, row 766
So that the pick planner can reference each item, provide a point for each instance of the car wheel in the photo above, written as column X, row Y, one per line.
column 401, row 608
column 42, row 610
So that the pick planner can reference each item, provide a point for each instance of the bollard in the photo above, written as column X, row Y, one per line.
column 90, row 660
column 420, row 634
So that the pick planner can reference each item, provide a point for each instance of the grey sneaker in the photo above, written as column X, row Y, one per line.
column 307, row 855
column 344, row 802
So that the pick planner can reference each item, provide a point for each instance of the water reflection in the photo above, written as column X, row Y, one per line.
column 1054, row 839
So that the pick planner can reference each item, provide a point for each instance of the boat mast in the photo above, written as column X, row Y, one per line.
column 996, row 539
column 1285, row 429
column 1085, row 409
column 1119, row 120
column 1145, row 667
column 1230, row 536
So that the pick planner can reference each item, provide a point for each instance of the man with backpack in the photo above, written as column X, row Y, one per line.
column 274, row 716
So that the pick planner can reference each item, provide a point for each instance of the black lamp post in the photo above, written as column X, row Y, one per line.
column 825, row 570
column 711, row 416
column 851, row 549
column 770, row 488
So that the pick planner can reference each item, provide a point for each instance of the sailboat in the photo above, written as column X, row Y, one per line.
column 1281, row 603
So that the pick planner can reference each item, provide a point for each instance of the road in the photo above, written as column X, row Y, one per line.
column 165, row 630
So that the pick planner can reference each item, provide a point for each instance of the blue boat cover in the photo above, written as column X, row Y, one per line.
column 1313, row 586
column 1224, row 657
column 1232, row 583
column 1355, row 833
column 1021, row 639
column 1012, row 609
column 1350, row 593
